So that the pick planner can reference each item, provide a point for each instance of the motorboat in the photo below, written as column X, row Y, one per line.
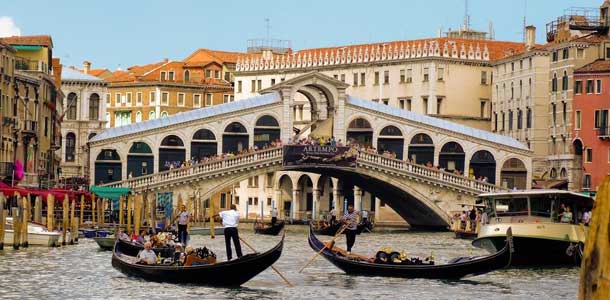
column 38, row 235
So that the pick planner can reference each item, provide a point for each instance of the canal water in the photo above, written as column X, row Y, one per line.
column 84, row 272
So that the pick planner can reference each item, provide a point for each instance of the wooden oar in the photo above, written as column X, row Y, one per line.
column 272, row 267
column 323, row 248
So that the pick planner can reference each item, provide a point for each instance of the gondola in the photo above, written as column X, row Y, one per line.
column 105, row 243
column 268, row 229
column 455, row 269
column 332, row 229
column 132, row 249
column 230, row 273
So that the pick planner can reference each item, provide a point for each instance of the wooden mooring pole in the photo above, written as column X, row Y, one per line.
column 25, row 213
column 65, row 217
column 121, row 212
column 2, row 220
column 38, row 210
column 50, row 212
column 73, row 233
column 16, row 226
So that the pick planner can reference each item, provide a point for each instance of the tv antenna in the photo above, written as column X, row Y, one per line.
column 268, row 28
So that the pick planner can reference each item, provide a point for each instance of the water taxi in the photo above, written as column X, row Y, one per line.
column 546, row 225
column 37, row 235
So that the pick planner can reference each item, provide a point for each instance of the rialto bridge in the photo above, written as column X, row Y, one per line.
column 146, row 156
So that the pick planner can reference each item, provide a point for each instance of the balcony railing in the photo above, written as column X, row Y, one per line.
column 603, row 132
column 30, row 65
column 6, row 169
column 30, row 126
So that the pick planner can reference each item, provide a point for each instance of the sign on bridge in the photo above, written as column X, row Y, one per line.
column 318, row 155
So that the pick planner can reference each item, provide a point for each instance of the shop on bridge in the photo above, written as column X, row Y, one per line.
column 140, row 160
column 171, row 152
column 235, row 138
column 483, row 164
column 361, row 132
column 108, row 167
column 452, row 157
column 203, row 144
column 514, row 174
column 391, row 139
column 421, row 149
column 266, row 130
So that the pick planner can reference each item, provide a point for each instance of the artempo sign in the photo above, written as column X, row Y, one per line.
column 317, row 155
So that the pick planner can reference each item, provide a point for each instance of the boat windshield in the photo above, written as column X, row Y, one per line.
column 511, row 207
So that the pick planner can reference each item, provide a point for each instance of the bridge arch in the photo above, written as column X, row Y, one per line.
column 359, row 130
column 108, row 167
column 266, row 130
column 172, row 152
column 204, row 143
column 421, row 149
column 140, row 159
column 391, row 139
column 452, row 157
column 235, row 138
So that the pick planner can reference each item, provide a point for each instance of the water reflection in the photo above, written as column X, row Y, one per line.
column 84, row 272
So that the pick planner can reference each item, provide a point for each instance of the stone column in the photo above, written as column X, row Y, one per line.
column 432, row 89
column 357, row 198
column 287, row 115
column 338, row 115
column 466, row 165
column 315, row 213
column 294, row 207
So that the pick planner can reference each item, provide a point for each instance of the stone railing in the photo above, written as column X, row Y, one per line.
column 235, row 163
column 425, row 172
column 275, row 155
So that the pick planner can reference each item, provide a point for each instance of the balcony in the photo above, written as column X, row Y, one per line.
column 603, row 133
column 6, row 169
column 30, row 127
column 30, row 65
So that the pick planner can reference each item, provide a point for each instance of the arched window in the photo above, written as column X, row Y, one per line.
column 138, row 116
column 71, row 106
column 235, row 127
column 564, row 81
column 70, row 146
column 204, row 134
column 267, row 121
column 151, row 115
column 421, row 139
column 172, row 140
column 554, row 83
column 391, row 131
column 359, row 123
column 94, row 107
column 164, row 114
column 187, row 76
column 91, row 135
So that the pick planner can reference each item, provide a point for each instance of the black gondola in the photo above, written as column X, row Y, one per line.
column 455, row 269
column 333, row 229
column 268, row 229
column 230, row 273
column 132, row 249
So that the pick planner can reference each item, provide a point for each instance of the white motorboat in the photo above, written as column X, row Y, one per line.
column 38, row 235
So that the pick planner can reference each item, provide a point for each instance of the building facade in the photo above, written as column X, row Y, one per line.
column 30, row 128
column 82, row 118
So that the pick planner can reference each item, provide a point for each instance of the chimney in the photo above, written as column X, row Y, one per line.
column 86, row 67
column 530, row 37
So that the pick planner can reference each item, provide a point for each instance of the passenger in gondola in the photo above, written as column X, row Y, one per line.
column 192, row 259
column 273, row 216
column 134, row 236
column 147, row 256
column 124, row 235
column 350, row 220
column 179, row 254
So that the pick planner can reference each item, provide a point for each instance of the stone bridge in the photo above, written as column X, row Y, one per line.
column 141, row 155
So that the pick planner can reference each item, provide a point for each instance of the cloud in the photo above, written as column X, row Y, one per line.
column 8, row 27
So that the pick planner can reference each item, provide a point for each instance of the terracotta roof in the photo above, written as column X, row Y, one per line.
column 41, row 40
column 497, row 49
column 97, row 72
column 202, row 55
column 591, row 38
column 597, row 66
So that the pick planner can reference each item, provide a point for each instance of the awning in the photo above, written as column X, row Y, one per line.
column 27, row 47
column 550, row 184
column 109, row 192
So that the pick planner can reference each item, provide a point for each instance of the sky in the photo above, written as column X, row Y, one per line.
column 119, row 33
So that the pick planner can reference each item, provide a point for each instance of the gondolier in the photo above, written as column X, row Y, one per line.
column 350, row 220
column 183, row 220
column 230, row 221
column 273, row 216
column 333, row 216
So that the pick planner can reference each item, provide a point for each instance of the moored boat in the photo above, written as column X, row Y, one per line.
column 534, row 216
column 230, row 273
column 38, row 235
column 105, row 243
column 455, row 269
column 268, row 229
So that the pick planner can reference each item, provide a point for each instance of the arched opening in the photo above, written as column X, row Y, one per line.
column 563, row 174
column 285, row 200
column 203, row 144
column 151, row 115
column 94, row 106
column 91, row 135
column 483, row 165
column 138, row 116
column 70, row 146
column 140, row 160
column 325, row 187
column 187, row 76
column 421, row 149
column 171, row 153
column 305, row 186
column 451, row 157
column 71, row 106
column 360, row 131
column 514, row 174
column 553, row 173
column 108, row 167
column 266, row 130
column 235, row 138
column 390, row 139
column 577, row 145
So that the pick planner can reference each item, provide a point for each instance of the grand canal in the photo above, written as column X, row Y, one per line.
column 84, row 272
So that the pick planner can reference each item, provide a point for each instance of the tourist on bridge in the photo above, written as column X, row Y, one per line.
column 230, row 221
column 183, row 220
column 273, row 216
column 350, row 220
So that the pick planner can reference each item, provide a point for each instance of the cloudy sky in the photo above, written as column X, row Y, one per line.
column 120, row 33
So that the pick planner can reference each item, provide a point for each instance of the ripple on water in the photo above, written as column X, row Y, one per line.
column 84, row 272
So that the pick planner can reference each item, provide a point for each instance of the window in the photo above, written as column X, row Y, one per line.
column 401, row 103
column 260, row 85
column 426, row 74
column 268, row 201
column 529, row 118
column 107, row 120
column 554, row 56
column 107, row 99
column 355, row 79
column 208, row 99
column 376, row 81
column 46, row 126
column 187, row 76
column 521, row 64
column 409, row 76
column 386, row 77
column 336, row 76
column 408, row 105
column 589, row 155
column 270, row 181
column 586, row 184
column 217, row 74
column 598, row 86
column 70, row 146
column 164, row 114
column 425, row 105
column 362, row 78
column 342, row 77
column 484, row 77
column 226, row 98
column 503, row 121
column 253, row 87
column 72, row 102
column 197, row 100
column 180, row 99
column 94, row 107
column 495, row 122
column 163, row 75
column 250, row 201
column 554, row 106
column 253, row 182
column 402, row 76
column 440, row 75
column 589, row 86
column 236, row 198
column 208, row 73
column 565, row 53
column 519, row 119
column 139, row 99
column 165, row 98
column 607, row 52
column 151, row 115
column 439, row 102
column 564, row 81
column 272, row 81
column 151, row 98
column 138, row 116
column 578, row 120
column 565, row 112
column 578, row 86
column 554, row 83
column 512, row 90
column 385, row 101
column 483, row 109
column 239, row 86
column 520, row 89
column 510, row 120
column 512, row 67
column 117, row 99
column 601, row 118
column 128, row 97
column 171, row 75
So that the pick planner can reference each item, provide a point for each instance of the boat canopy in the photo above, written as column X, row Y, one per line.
column 110, row 192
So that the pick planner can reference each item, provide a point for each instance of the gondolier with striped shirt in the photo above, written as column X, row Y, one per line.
column 350, row 220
